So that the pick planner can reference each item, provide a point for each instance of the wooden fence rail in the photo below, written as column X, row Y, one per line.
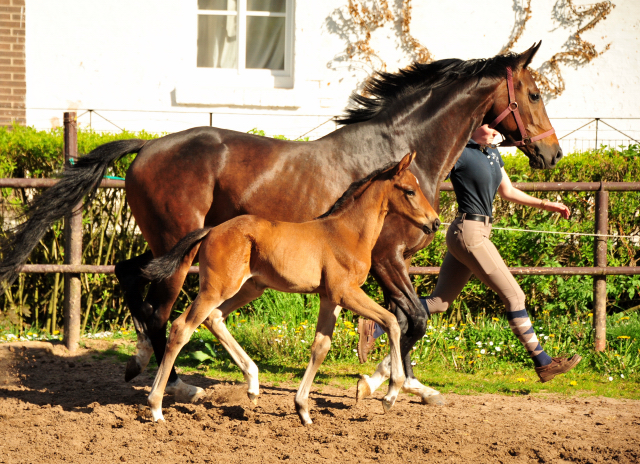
column 73, row 242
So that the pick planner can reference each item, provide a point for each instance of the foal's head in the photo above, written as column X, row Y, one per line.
column 405, row 198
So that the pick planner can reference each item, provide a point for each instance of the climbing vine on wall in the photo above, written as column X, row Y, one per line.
column 368, row 18
column 578, row 51
column 369, row 15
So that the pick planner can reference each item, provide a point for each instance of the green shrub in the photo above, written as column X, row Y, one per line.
column 35, row 300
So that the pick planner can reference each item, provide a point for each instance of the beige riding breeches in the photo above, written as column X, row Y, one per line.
column 471, row 252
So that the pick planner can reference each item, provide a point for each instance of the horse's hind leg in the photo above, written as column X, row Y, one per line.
column 324, row 330
column 215, row 323
column 132, row 283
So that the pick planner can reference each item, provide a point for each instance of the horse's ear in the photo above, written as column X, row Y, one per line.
column 525, row 57
column 404, row 163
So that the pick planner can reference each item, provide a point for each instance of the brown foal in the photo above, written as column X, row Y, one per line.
column 330, row 256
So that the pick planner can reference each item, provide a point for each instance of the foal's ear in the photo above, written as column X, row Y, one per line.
column 525, row 57
column 405, row 162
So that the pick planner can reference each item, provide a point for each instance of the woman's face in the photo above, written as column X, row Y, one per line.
column 483, row 135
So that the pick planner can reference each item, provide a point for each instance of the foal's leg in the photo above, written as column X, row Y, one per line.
column 327, row 317
column 215, row 323
column 181, row 331
column 357, row 301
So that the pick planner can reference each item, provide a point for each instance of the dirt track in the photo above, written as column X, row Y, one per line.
column 55, row 408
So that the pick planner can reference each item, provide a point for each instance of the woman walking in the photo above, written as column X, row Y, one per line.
column 476, row 177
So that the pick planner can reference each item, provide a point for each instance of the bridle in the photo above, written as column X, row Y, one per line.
column 513, row 108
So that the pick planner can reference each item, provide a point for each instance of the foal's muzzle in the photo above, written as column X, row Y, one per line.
column 433, row 229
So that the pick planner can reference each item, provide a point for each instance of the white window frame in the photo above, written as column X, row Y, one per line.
column 243, row 77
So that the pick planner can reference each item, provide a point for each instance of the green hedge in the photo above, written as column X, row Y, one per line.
column 35, row 300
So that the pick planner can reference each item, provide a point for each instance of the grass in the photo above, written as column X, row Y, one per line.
column 479, row 354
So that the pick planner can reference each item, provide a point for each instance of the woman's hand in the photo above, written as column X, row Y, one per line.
column 555, row 207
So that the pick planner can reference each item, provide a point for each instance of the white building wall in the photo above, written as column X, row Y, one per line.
column 133, row 62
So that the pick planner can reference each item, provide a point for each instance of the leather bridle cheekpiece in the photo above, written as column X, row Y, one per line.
column 513, row 108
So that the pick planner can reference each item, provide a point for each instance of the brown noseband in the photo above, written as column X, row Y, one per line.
column 513, row 108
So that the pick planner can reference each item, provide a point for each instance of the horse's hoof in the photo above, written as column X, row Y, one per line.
column 253, row 398
column 363, row 390
column 133, row 369
column 435, row 400
column 387, row 403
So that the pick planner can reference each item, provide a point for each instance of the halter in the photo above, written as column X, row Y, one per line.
column 513, row 108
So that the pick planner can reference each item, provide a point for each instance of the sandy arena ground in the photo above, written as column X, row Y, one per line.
column 57, row 408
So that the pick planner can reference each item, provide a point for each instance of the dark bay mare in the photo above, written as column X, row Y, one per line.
column 206, row 176
column 330, row 256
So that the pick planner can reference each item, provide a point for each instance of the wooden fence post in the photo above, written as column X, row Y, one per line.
column 600, row 260
column 72, row 244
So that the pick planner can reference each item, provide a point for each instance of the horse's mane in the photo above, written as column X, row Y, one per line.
column 383, row 89
column 354, row 187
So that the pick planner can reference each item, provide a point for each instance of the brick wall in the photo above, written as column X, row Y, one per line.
column 13, row 85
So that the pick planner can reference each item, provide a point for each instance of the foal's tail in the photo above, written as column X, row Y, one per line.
column 166, row 265
column 79, row 180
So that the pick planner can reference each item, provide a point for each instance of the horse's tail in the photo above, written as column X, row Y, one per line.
column 78, row 180
column 166, row 265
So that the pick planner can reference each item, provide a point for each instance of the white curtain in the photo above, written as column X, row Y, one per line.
column 217, row 35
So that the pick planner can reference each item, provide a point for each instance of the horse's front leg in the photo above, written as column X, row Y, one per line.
column 327, row 317
column 390, row 269
column 358, row 301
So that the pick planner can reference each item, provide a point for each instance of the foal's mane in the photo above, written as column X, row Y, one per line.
column 383, row 89
column 355, row 187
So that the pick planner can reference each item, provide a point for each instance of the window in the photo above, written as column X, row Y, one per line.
column 245, row 35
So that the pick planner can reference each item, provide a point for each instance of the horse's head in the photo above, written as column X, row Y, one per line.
column 406, row 197
column 533, row 134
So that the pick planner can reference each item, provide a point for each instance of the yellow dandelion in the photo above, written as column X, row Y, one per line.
column 243, row 320
column 452, row 347
column 626, row 318
column 56, row 332
column 520, row 379
column 495, row 319
column 348, row 324
column 590, row 315
column 451, row 325
column 551, row 335
column 479, row 355
column 280, row 336
column 623, row 337
column 352, row 333
column 573, row 383
column 460, row 357
column 556, row 347
column 471, row 362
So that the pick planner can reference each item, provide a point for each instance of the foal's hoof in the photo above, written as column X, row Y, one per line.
column 183, row 392
column 253, row 398
column 133, row 368
column 387, row 403
column 363, row 390
column 435, row 400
